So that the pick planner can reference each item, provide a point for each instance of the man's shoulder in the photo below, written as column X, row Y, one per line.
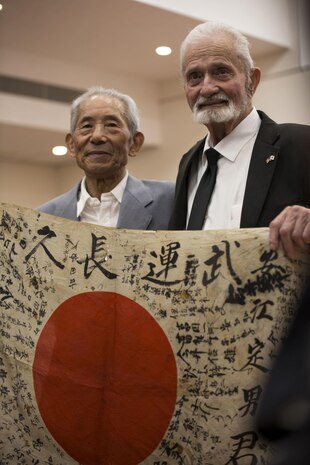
column 158, row 184
column 152, row 184
column 295, row 128
column 290, row 127
column 151, row 191
column 60, row 201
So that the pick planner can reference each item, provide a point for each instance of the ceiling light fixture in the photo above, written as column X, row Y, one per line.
column 59, row 150
column 163, row 50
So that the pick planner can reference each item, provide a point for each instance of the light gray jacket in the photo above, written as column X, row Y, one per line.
column 145, row 204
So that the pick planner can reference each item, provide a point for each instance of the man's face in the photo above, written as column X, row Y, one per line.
column 101, row 141
column 215, row 82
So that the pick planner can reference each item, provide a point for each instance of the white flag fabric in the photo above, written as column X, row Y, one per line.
column 124, row 347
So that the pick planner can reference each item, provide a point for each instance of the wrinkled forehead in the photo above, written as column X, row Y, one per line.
column 220, row 46
column 102, row 104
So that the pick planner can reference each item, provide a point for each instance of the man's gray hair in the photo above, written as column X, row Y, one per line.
column 207, row 31
column 131, row 112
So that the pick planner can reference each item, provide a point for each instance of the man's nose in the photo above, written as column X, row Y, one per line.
column 98, row 134
column 209, row 86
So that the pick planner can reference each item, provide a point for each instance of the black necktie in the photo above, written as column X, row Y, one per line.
column 204, row 191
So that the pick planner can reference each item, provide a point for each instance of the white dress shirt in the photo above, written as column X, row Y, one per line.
column 224, row 211
column 104, row 211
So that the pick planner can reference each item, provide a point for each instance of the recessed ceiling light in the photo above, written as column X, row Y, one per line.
column 1, row 6
column 59, row 150
column 163, row 50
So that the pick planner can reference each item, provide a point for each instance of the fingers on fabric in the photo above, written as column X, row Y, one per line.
column 291, row 228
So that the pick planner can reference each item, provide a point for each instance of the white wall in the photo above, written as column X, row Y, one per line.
column 262, row 19
column 26, row 184
column 286, row 98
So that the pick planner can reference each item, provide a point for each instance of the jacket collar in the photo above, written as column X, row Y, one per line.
column 136, row 198
column 261, row 170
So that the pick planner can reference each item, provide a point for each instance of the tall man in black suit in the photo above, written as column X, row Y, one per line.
column 262, row 169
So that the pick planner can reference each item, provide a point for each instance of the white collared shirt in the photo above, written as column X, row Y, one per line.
column 104, row 211
column 224, row 211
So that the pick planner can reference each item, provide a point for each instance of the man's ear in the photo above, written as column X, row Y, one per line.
column 254, row 80
column 137, row 143
column 70, row 145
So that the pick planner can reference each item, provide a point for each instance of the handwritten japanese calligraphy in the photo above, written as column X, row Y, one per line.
column 187, row 324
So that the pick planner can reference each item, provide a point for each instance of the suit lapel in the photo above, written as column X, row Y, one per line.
column 179, row 213
column 68, row 209
column 262, row 166
column 133, row 214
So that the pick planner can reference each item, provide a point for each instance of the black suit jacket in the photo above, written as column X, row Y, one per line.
column 279, row 174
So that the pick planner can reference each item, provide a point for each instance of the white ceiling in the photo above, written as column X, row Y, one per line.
column 119, row 36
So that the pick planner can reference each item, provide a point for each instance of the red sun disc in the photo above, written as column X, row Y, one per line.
column 105, row 379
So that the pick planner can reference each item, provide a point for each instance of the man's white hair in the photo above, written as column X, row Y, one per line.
column 131, row 112
column 206, row 31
